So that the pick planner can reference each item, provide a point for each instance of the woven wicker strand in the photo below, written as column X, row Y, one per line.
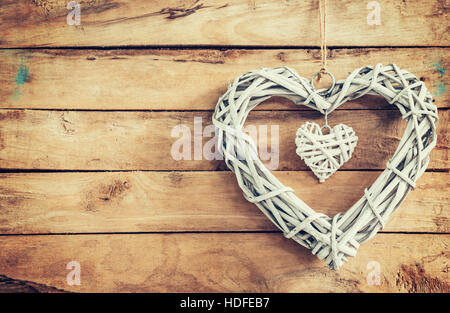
column 330, row 239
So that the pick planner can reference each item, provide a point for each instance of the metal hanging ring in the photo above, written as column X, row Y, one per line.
column 323, row 91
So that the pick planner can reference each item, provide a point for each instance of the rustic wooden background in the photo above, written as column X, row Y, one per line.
column 86, row 114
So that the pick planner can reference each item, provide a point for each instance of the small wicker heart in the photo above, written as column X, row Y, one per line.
column 324, row 154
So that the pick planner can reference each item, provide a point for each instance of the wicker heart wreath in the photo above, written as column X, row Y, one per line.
column 330, row 239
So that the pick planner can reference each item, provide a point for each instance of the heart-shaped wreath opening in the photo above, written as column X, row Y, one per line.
column 330, row 239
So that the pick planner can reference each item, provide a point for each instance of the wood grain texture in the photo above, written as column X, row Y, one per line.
column 33, row 203
column 223, row 263
column 186, row 79
column 87, row 140
column 220, row 22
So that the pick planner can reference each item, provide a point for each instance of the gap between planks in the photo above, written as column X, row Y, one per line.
column 216, row 47
column 24, row 171
column 202, row 232
column 300, row 109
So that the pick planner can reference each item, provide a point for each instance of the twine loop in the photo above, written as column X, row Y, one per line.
column 323, row 38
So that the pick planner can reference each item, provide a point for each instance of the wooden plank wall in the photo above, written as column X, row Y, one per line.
column 87, row 115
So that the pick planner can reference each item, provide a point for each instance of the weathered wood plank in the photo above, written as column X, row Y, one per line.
column 220, row 22
column 33, row 203
column 89, row 140
column 239, row 262
column 185, row 79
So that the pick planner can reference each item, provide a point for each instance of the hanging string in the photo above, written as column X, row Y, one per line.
column 323, row 48
column 323, row 37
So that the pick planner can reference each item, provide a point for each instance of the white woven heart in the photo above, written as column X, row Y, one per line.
column 330, row 239
column 325, row 154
